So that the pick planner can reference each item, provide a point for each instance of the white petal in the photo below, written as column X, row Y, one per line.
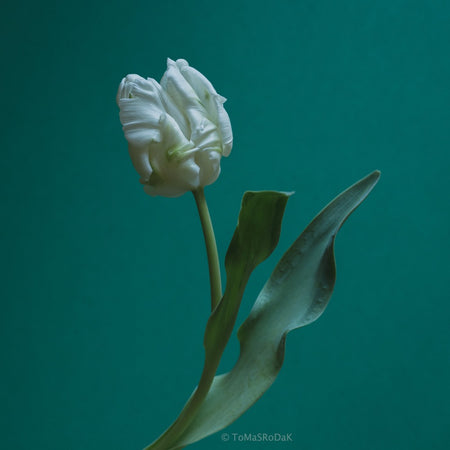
column 133, row 86
column 140, row 160
column 170, row 106
column 202, row 87
column 209, row 163
column 205, row 133
column 175, row 178
column 178, row 88
column 140, row 106
column 184, row 97
column 140, row 121
column 185, row 174
column 212, row 101
column 172, row 137
column 224, row 126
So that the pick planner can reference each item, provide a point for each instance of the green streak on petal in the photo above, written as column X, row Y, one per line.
column 178, row 153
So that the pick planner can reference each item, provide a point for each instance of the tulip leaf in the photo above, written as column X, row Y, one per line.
column 296, row 294
column 254, row 239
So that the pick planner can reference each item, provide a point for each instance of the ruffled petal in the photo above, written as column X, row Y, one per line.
column 212, row 102
column 140, row 121
column 209, row 163
column 140, row 106
column 184, row 97
column 178, row 88
column 205, row 135
column 175, row 179
column 170, row 158
column 173, row 110
column 139, row 158
column 185, row 174
column 224, row 127
column 134, row 86
column 202, row 87
column 173, row 141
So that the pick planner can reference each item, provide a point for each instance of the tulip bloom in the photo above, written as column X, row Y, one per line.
column 177, row 130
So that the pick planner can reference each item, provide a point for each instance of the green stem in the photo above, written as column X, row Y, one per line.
column 211, row 360
column 211, row 247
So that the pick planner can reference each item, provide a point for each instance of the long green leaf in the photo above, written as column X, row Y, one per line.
column 256, row 236
column 295, row 295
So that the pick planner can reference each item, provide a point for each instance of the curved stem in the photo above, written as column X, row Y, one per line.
column 167, row 439
column 211, row 247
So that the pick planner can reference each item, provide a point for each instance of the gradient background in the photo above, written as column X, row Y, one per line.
column 104, row 290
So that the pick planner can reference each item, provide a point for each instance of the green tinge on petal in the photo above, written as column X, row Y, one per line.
column 178, row 153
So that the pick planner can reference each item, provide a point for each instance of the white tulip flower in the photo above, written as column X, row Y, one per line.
column 177, row 130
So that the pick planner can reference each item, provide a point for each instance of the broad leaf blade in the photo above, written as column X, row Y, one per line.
column 295, row 295
column 256, row 236
column 258, row 229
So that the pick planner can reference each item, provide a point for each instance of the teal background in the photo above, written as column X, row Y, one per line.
column 104, row 291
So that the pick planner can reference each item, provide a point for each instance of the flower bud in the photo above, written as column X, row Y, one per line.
column 177, row 131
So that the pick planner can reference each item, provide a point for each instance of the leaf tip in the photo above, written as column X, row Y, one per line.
column 371, row 180
column 376, row 173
